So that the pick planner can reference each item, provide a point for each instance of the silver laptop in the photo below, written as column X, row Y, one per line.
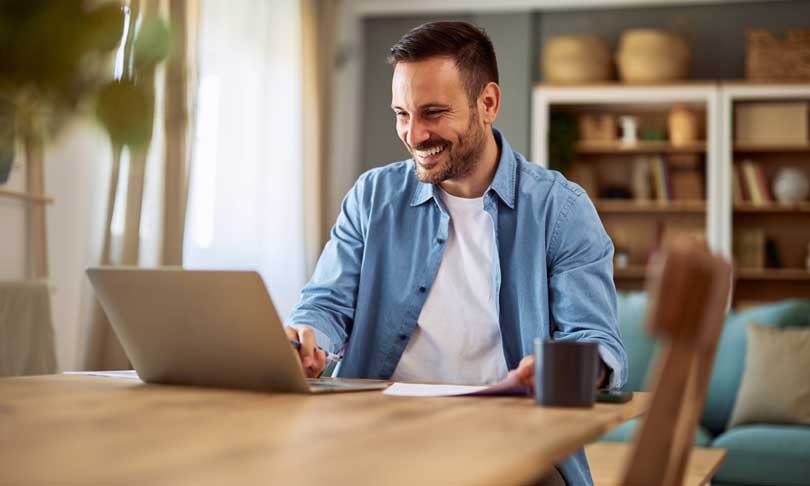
column 205, row 328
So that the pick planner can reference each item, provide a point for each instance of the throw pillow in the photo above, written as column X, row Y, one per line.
column 775, row 387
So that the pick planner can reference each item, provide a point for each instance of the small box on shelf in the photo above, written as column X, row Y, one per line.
column 687, row 177
column 771, row 123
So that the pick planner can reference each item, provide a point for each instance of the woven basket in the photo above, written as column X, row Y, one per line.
column 652, row 56
column 768, row 58
column 576, row 59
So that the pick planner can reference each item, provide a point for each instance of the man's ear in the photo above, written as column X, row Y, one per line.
column 489, row 102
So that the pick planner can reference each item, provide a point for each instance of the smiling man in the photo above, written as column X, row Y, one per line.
column 446, row 266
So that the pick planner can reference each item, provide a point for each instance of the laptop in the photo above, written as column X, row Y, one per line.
column 205, row 328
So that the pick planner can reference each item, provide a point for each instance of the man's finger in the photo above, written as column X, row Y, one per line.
column 318, row 364
column 308, row 346
column 292, row 333
column 320, row 359
column 526, row 367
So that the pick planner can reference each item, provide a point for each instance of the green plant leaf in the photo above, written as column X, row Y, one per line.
column 562, row 137
column 127, row 111
column 152, row 43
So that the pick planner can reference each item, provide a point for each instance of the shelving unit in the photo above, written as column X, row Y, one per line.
column 758, row 149
column 636, row 224
column 787, row 224
column 24, row 196
column 34, row 202
column 655, row 207
column 640, row 147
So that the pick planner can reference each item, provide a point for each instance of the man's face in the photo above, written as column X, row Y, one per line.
column 436, row 121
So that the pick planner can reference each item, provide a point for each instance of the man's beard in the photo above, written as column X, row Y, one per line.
column 462, row 156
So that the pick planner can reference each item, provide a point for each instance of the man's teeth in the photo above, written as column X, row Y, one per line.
column 431, row 152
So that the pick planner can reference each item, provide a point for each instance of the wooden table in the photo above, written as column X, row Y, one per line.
column 93, row 430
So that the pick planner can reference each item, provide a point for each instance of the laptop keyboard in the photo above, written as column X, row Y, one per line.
column 329, row 383
column 338, row 384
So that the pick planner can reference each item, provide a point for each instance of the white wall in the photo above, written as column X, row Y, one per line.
column 77, row 164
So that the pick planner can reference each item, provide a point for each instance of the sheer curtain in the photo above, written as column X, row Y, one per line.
column 245, row 208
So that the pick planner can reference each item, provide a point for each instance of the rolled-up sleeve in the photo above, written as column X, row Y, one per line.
column 582, row 295
column 328, row 300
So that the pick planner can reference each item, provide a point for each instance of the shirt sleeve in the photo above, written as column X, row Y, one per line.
column 328, row 300
column 582, row 295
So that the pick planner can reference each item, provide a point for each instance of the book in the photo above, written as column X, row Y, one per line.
column 773, row 258
column 641, row 178
column 749, row 248
column 736, row 185
column 660, row 180
column 764, row 187
column 749, row 176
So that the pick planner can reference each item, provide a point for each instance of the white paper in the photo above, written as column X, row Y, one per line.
column 128, row 374
column 509, row 386
column 424, row 390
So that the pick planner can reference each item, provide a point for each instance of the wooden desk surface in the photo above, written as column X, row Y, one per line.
column 93, row 430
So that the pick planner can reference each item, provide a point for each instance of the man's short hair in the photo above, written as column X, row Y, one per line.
column 468, row 45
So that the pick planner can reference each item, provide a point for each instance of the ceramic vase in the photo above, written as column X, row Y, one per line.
column 791, row 186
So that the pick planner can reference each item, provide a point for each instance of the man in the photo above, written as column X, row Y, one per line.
column 446, row 266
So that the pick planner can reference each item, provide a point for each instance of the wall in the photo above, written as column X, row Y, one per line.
column 716, row 33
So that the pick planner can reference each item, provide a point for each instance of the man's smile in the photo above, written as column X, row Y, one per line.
column 429, row 156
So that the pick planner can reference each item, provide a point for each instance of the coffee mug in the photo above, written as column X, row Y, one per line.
column 565, row 373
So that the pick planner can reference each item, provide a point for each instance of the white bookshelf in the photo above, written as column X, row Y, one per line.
column 630, row 97
column 791, row 223
column 718, row 99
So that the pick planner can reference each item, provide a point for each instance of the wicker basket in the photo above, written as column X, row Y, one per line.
column 768, row 58
column 652, row 56
column 576, row 59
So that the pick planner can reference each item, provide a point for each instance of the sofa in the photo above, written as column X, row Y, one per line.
column 758, row 454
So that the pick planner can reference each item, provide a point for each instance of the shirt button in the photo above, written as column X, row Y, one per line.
column 403, row 337
column 440, row 241
column 422, row 289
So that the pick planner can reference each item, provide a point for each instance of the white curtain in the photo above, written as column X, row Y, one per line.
column 245, row 208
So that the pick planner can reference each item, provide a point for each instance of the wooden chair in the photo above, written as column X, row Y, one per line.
column 689, row 292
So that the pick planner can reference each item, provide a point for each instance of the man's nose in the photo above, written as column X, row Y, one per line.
column 416, row 133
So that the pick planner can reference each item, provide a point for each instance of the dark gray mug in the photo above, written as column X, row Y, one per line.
column 565, row 373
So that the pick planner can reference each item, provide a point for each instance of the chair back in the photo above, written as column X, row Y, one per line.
column 689, row 290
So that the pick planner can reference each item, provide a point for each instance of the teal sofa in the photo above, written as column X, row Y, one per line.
column 758, row 454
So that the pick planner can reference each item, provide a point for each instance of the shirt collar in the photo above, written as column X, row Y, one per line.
column 503, row 184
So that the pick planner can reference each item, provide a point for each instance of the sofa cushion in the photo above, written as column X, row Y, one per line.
column 765, row 455
column 624, row 433
column 775, row 387
column 730, row 360
column 632, row 309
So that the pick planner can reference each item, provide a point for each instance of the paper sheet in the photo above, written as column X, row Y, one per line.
column 506, row 387
column 128, row 374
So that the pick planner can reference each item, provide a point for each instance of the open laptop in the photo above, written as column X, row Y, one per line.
column 205, row 328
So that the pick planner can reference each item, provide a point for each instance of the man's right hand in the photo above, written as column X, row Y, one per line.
column 313, row 360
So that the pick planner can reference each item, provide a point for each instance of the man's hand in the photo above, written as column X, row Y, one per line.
column 525, row 373
column 312, row 358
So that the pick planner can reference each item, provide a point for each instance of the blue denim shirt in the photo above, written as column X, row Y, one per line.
column 552, row 275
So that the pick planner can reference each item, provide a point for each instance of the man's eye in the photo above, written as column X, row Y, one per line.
column 401, row 114
column 434, row 113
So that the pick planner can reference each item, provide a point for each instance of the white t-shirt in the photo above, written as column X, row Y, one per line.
column 458, row 337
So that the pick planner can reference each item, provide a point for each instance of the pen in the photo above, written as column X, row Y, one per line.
column 330, row 356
